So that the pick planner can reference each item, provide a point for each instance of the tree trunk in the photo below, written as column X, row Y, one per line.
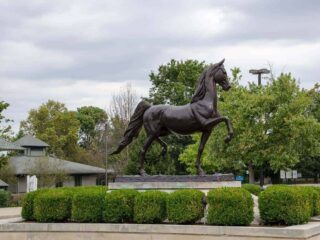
column 251, row 173
column 261, row 177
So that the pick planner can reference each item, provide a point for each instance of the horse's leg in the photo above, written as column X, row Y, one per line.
column 163, row 145
column 215, row 121
column 204, row 139
column 142, row 154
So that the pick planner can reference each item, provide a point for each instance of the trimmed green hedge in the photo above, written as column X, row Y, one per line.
column 230, row 206
column 150, row 207
column 88, row 205
column 119, row 206
column 280, row 204
column 252, row 188
column 52, row 206
column 317, row 202
column 5, row 198
column 185, row 206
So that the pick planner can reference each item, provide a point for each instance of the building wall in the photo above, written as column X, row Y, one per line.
column 89, row 180
column 69, row 182
column 22, row 184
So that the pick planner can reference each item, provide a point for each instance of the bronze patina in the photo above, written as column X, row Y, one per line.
column 200, row 115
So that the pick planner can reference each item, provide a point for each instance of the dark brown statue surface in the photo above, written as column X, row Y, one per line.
column 201, row 115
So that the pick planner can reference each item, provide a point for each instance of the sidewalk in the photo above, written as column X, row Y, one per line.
column 11, row 212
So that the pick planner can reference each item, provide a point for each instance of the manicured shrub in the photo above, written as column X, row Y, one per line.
column 52, row 206
column 287, row 205
column 185, row 206
column 314, row 199
column 27, row 205
column 252, row 188
column 88, row 205
column 150, row 207
column 119, row 206
column 5, row 198
column 230, row 206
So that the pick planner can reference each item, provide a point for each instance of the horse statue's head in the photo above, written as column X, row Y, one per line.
column 215, row 73
column 219, row 75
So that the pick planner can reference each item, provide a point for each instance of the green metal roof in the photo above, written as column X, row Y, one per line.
column 30, row 141
column 9, row 146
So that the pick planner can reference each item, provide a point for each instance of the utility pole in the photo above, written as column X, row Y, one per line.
column 259, row 72
column 106, row 138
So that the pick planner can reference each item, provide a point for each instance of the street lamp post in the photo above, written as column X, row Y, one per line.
column 106, row 138
column 259, row 72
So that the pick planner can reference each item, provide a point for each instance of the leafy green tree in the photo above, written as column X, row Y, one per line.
column 5, row 127
column 92, row 121
column 272, row 128
column 53, row 123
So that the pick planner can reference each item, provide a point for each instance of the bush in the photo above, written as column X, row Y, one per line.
column 284, row 205
column 230, row 206
column 252, row 188
column 52, row 206
column 185, row 206
column 27, row 205
column 88, row 205
column 150, row 207
column 314, row 199
column 119, row 206
column 5, row 198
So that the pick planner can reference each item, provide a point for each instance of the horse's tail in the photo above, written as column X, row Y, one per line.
column 134, row 126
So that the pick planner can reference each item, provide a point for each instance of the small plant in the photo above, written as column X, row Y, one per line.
column 230, row 206
column 252, row 188
column 88, row 205
column 285, row 205
column 52, row 206
column 185, row 206
column 5, row 198
column 150, row 207
column 119, row 205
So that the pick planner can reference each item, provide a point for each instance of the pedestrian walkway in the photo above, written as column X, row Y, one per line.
column 11, row 212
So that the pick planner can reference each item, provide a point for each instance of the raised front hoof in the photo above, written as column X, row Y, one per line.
column 143, row 173
column 200, row 172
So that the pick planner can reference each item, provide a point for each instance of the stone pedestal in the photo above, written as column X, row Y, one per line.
column 171, row 183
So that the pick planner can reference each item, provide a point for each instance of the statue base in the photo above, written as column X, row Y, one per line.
column 170, row 183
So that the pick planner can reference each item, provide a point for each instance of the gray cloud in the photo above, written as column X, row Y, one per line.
column 60, row 46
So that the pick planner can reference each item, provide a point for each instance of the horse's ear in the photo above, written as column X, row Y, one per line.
column 221, row 62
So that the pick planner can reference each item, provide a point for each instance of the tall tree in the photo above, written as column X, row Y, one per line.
column 272, row 128
column 5, row 127
column 53, row 123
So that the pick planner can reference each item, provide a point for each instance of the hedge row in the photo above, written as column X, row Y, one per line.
column 252, row 188
column 289, row 205
column 226, row 206
column 93, row 204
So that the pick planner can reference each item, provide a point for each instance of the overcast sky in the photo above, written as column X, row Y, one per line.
column 81, row 52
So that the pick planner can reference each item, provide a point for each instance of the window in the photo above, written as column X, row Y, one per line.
column 78, row 180
column 59, row 184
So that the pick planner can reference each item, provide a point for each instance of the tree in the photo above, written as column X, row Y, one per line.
column 53, row 123
column 5, row 127
column 174, row 83
column 92, row 121
column 272, row 128
column 122, row 106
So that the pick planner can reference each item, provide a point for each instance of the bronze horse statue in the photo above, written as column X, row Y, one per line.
column 201, row 115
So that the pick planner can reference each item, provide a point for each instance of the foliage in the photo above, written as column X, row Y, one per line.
column 5, row 127
column 252, row 188
column 150, row 207
column 273, row 128
column 185, row 206
column 313, row 197
column 52, row 206
column 284, row 205
column 54, row 124
column 28, row 204
column 92, row 120
column 88, row 205
column 230, row 206
column 317, row 202
column 5, row 198
column 119, row 205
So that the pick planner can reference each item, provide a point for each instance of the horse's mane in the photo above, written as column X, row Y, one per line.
column 201, row 89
